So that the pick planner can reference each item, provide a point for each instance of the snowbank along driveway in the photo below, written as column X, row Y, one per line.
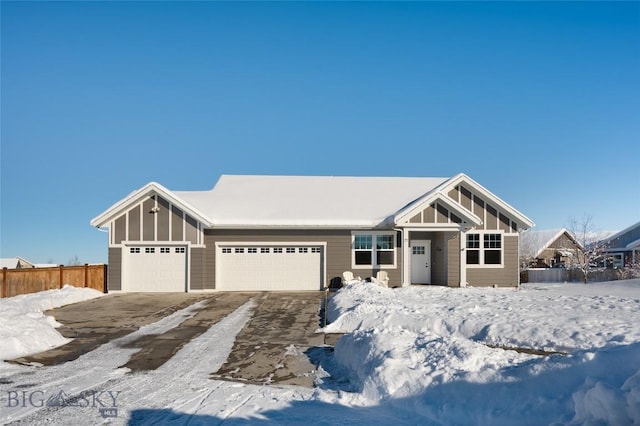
column 129, row 333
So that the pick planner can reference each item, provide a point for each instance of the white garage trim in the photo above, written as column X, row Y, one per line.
column 254, row 271
column 155, row 267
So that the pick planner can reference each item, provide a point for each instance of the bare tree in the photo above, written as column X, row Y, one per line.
column 585, row 234
column 74, row 261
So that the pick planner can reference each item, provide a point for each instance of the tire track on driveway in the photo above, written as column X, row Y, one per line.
column 155, row 350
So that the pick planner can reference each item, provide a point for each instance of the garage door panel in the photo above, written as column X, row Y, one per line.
column 155, row 269
column 269, row 268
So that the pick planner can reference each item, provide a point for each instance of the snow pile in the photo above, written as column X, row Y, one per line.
column 432, row 351
column 25, row 329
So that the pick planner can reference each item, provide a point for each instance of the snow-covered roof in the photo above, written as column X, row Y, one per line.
column 241, row 200
column 9, row 262
column 533, row 242
column 14, row 262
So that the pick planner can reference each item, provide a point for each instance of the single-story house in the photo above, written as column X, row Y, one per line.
column 255, row 233
column 623, row 248
column 548, row 248
column 15, row 263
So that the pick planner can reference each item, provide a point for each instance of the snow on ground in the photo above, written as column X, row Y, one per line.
column 25, row 329
column 417, row 355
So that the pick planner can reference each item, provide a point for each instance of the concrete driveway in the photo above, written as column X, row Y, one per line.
column 270, row 349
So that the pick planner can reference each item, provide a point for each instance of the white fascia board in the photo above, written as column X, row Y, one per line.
column 440, row 197
column 283, row 226
column 133, row 198
column 502, row 205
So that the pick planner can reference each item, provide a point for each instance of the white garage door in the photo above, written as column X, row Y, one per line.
column 269, row 268
column 154, row 268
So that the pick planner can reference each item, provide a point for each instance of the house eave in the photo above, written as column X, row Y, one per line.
column 134, row 197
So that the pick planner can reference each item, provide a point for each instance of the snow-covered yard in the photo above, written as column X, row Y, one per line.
column 417, row 355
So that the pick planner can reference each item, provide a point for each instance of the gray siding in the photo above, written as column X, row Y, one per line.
column 134, row 224
column 506, row 276
column 148, row 220
column 142, row 223
column 630, row 236
column 453, row 261
column 120, row 229
column 176, row 224
column 197, row 278
column 114, row 278
column 163, row 219
column 337, row 255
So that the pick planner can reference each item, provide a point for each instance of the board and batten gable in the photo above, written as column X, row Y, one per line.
column 441, row 213
column 154, row 220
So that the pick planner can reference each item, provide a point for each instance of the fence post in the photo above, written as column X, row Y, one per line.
column 4, row 282
column 86, row 274
column 105, row 287
column 61, row 272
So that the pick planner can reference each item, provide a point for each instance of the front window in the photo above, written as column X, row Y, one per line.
column 373, row 249
column 484, row 249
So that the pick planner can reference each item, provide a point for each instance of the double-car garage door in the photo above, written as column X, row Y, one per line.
column 269, row 267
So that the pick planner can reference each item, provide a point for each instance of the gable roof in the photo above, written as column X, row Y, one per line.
column 134, row 197
column 318, row 201
column 446, row 186
column 238, row 201
column 534, row 242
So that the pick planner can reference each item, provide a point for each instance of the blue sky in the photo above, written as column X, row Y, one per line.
column 537, row 101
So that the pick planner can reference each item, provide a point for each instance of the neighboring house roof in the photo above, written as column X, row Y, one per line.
column 533, row 243
column 618, row 241
column 310, row 201
column 15, row 262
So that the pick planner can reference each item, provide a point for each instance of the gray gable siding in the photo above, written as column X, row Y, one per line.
column 141, row 224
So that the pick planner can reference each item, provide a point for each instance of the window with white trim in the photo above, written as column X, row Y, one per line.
column 373, row 249
column 484, row 249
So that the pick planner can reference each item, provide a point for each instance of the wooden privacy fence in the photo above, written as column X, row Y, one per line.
column 33, row 280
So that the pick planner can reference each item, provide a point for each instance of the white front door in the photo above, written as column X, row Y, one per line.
column 420, row 261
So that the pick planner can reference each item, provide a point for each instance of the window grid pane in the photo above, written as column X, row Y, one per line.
column 362, row 242
column 473, row 240
column 492, row 241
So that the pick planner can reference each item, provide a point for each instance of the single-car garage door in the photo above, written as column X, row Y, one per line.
column 269, row 268
column 154, row 268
